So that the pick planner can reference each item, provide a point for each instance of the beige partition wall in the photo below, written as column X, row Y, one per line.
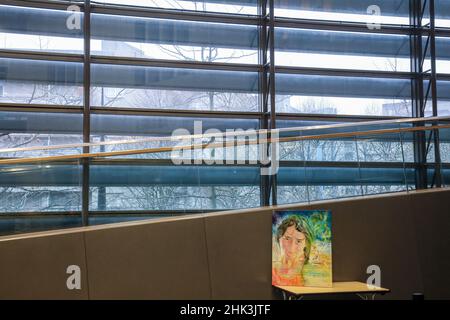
column 376, row 231
column 432, row 221
column 228, row 255
column 35, row 266
column 155, row 260
column 240, row 250
column 372, row 231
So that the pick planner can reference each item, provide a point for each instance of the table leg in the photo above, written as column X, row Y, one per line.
column 290, row 297
column 366, row 296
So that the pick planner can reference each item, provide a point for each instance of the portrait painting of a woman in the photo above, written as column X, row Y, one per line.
column 294, row 242
column 301, row 248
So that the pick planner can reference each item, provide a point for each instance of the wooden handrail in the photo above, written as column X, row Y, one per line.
column 218, row 145
column 226, row 134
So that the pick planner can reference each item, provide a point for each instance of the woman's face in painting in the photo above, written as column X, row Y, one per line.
column 293, row 243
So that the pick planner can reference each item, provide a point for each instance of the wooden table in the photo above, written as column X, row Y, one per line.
column 361, row 289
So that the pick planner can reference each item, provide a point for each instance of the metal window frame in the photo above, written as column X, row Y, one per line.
column 421, row 94
column 266, row 22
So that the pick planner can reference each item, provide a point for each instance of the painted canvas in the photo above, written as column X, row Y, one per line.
column 301, row 248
